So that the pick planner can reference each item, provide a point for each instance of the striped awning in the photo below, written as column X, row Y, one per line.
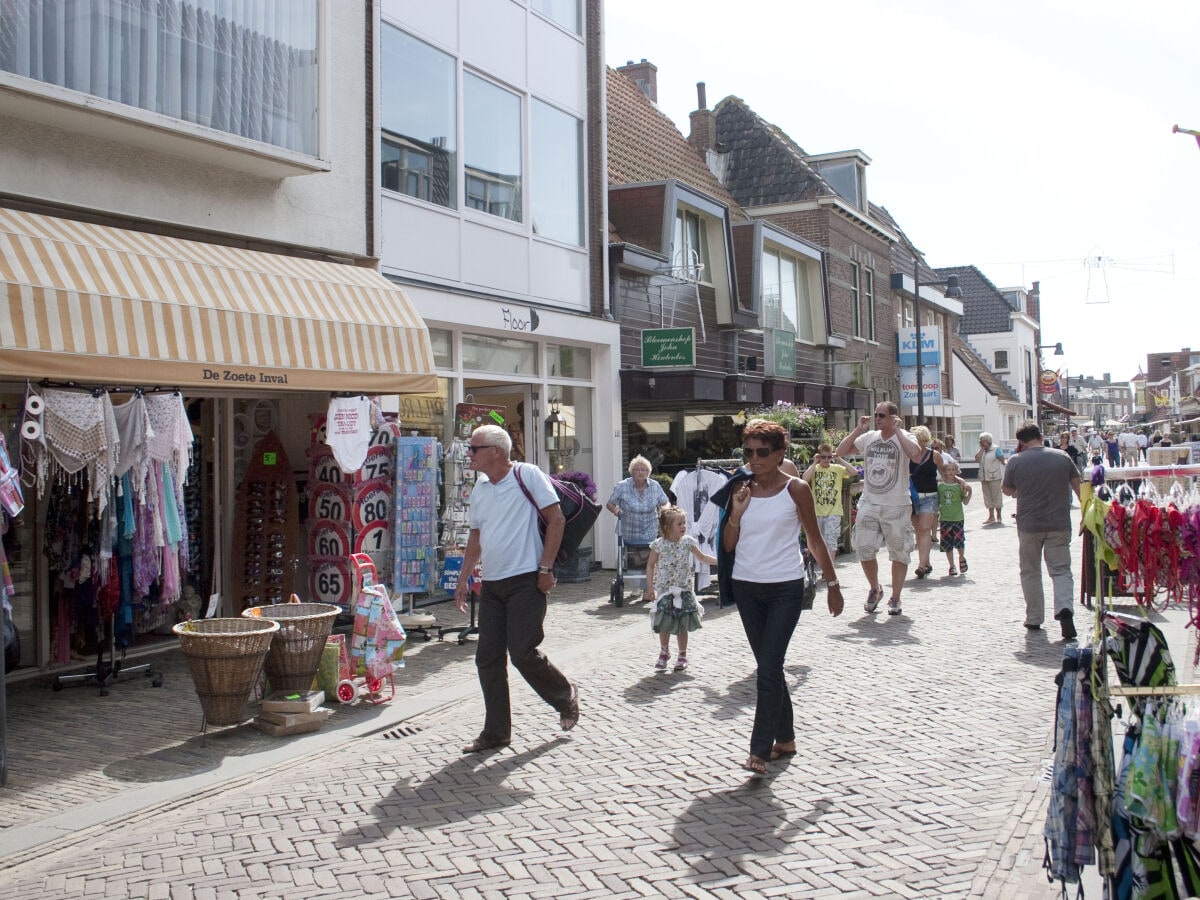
column 83, row 302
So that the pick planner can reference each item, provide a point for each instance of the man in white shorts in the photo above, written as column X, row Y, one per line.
column 885, row 508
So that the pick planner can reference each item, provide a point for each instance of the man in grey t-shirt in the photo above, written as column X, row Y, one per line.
column 1040, row 478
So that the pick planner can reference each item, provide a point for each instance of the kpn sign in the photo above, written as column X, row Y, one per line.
column 931, row 346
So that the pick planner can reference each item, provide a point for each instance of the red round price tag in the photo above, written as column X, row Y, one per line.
column 371, row 504
column 328, row 538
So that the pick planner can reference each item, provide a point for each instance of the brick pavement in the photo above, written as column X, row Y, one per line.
column 921, row 741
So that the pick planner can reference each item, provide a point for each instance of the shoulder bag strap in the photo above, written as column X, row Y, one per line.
column 525, row 490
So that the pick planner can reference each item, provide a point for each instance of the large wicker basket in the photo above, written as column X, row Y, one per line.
column 225, row 657
column 295, row 653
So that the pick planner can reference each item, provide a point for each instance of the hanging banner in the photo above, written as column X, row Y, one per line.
column 908, row 387
column 931, row 346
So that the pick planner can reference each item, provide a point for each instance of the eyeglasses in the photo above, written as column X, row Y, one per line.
column 473, row 449
column 760, row 452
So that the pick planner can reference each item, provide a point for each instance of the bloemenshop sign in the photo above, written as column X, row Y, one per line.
column 662, row 347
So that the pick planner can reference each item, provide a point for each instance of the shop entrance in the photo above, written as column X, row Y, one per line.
column 519, row 414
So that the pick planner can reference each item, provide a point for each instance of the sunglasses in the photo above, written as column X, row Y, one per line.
column 760, row 452
column 473, row 449
column 823, row 456
column 882, row 415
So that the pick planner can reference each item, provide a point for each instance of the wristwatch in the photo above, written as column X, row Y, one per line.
column 545, row 570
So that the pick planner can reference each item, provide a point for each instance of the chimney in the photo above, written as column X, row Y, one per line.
column 1033, row 302
column 703, row 134
column 644, row 75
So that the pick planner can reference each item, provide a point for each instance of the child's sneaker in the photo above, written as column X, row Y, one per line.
column 661, row 664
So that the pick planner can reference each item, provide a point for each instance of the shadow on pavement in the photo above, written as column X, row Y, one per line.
column 880, row 629
column 1040, row 650
column 466, row 787
column 747, row 820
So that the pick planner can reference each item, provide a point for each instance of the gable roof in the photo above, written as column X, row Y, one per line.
column 645, row 146
column 764, row 165
column 992, row 383
column 985, row 309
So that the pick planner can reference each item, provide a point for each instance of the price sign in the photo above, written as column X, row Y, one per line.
column 328, row 502
column 378, row 465
column 372, row 503
column 328, row 538
column 329, row 582
column 326, row 470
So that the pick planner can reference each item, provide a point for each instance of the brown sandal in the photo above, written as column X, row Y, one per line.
column 755, row 764
column 484, row 742
column 779, row 751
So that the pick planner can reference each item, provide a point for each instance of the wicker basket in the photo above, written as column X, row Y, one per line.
column 295, row 654
column 225, row 657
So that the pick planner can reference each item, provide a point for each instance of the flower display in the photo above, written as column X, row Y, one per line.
column 582, row 480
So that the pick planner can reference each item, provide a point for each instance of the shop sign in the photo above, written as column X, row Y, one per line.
column 519, row 319
column 785, row 353
column 908, row 386
column 931, row 346
column 662, row 347
column 1048, row 382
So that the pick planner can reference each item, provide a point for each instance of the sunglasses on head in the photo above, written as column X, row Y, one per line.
column 760, row 452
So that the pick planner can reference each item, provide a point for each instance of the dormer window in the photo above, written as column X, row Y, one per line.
column 690, row 243
column 846, row 173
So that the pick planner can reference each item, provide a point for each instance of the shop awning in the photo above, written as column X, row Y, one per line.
column 93, row 303
column 1050, row 404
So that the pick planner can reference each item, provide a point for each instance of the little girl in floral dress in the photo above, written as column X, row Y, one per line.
column 670, row 578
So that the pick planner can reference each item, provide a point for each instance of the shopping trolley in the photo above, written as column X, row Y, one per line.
column 628, row 558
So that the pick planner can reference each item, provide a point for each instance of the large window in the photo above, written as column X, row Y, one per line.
column 492, row 151
column 247, row 68
column 419, row 152
column 557, row 174
column 484, row 354
column 690, row 247
column 785, row 299
column 855, row 301
column 868, row 299
column 564, row 12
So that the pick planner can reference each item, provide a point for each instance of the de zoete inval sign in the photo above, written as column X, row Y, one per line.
column 663, row 347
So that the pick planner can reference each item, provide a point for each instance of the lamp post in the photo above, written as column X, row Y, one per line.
column 953, row 292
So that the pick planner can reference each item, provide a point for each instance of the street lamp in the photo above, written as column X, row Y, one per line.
column 953, row 292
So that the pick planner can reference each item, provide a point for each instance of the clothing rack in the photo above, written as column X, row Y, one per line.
column 1127, row 473
column 720, row 463
column 106, row 673
column 97, row 389
column 1166, row 690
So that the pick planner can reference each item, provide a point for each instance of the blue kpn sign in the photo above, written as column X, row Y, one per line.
column 931, row 346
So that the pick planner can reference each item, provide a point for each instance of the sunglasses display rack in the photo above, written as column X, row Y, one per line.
column 266, row 544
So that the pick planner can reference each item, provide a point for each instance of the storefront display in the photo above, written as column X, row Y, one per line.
column 416, row 564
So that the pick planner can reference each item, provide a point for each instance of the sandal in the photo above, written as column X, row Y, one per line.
column 873, row 599
column 962, row 566
column 661, row 662
column 755, row 764
column 894, row 608
column 680, row 663
column 570, row 718
column 922, row 571
column 953, row 571
column 779, row 751
column 485, row 742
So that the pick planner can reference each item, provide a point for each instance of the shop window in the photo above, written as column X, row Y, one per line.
column 246, row 70
column 556, row 171
column 563, row 361
column 443, row 348
column 492, row 156
column 505, row 355
column 419, row 91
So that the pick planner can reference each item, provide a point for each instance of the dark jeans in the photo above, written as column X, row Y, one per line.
column 511, row 613
column 769, row 615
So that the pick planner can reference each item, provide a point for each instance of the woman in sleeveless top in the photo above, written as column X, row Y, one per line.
column 760, row 541
column 924, row 477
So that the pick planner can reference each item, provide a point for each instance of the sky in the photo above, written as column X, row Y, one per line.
column 1029, row 138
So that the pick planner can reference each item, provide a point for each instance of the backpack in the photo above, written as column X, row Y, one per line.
column 577, row 508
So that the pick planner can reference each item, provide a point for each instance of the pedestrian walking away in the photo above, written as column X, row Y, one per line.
column 825, row 477
column 669, row 581
column 991, row 461
column 760, row 567
column 517, row 577
column 953, row 494
column 1043, row 479
column 924, row 476
column 636, row 502
column 884, row 517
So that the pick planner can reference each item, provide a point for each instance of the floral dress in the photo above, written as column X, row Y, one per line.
column 676, row 610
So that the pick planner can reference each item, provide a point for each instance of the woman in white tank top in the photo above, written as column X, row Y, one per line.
column 760, row 538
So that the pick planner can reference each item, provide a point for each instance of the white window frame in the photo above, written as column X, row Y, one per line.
column 996, row 366
column 855, row 300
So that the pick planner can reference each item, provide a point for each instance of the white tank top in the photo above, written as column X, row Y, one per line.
column 768, row 547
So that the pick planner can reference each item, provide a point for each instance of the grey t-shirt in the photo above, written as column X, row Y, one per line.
column 1042, row 479
column 885, row 469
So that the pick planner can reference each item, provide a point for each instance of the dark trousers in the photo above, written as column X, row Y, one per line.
column 511, row 613
column 769, row 614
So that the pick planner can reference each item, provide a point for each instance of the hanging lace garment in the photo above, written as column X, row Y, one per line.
column 80, row 432
column 133, row 425
column 170, row 440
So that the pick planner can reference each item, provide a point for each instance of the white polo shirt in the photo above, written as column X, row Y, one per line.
column 509, row 541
